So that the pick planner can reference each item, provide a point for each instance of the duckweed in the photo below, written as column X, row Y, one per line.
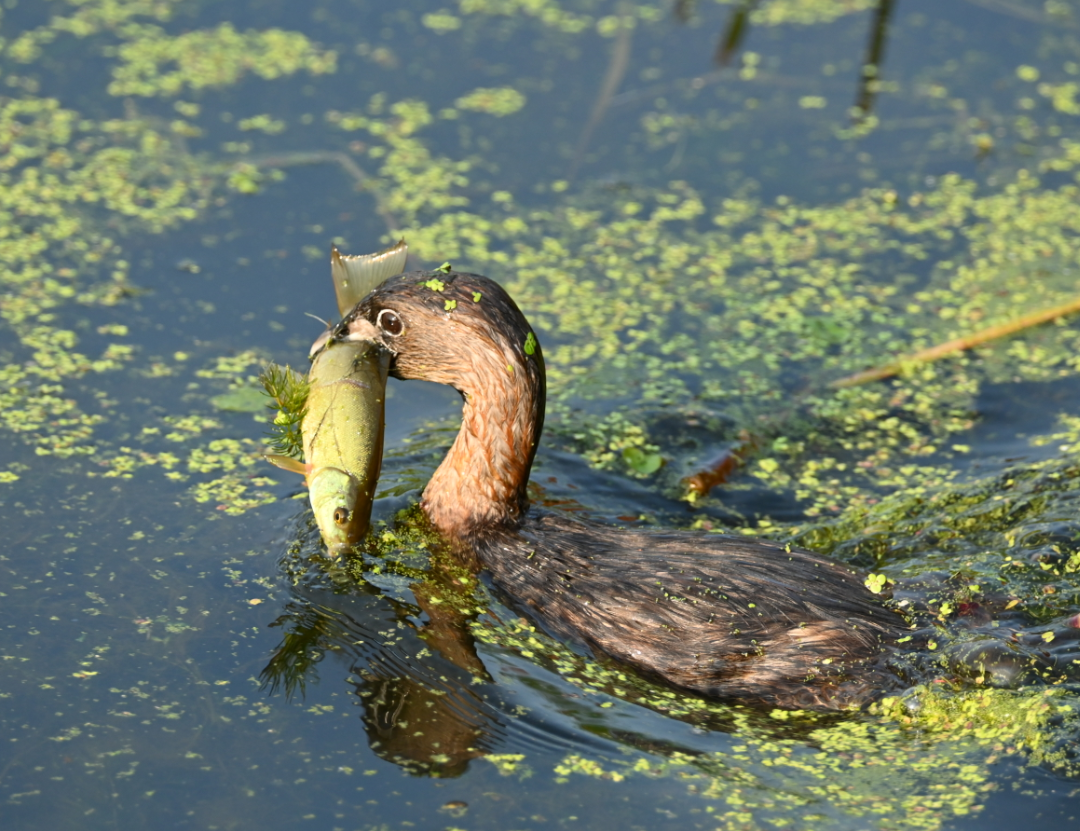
column 657, row 301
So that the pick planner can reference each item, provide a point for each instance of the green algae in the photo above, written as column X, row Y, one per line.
column 497, row 101
column 549, row 13
column 926, row 758
column 772, row 286
column 662, row 297
column 210, row 58
column 509, row 764
column 806, row 12
column 69, row 183
column 783, row 283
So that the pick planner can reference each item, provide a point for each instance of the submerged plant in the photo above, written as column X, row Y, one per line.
column 288, row 391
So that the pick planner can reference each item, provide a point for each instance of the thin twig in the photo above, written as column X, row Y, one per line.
column 343, row 160
column 958, row 345
column 734, row 33
column 869, row 82
column 681, row 85
column 1024, row 13
column 616, row 71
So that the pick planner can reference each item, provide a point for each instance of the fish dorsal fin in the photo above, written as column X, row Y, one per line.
column 356, row 276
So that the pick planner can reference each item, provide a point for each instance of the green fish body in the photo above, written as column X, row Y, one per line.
column 342, row 426
column 343, row 437
column 342, row 431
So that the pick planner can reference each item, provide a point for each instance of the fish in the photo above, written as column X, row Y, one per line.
column 342, row 433
column 342, row 425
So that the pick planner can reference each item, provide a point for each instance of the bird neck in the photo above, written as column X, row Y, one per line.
column 482, row 482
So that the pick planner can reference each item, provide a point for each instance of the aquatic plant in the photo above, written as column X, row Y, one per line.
column 681, row 305
column 287, row 391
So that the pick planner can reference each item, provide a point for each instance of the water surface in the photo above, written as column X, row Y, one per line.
column 702, row 250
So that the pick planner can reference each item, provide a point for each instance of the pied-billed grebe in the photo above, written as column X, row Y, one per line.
column 720, row 615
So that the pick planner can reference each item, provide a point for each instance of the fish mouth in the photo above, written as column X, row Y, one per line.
column 320, row 343
column 342, row 508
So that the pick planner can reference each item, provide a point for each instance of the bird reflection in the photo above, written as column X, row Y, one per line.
column 417, row 676
column 429, row 705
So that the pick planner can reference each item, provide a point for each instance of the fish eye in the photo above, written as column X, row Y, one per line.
column 341, row 516
column 389, row 322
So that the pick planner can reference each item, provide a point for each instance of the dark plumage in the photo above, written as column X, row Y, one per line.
column 720, row 615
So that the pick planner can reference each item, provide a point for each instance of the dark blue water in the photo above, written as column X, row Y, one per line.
column 168, row 664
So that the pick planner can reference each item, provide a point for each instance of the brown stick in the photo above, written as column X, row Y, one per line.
column 719, row 469
column 957, row 345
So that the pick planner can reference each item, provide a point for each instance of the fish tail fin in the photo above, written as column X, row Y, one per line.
column 356, row 276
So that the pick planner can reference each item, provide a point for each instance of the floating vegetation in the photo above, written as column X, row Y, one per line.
column 211, row 58
column 931, row 747
column 744, row 243
column 72, row 186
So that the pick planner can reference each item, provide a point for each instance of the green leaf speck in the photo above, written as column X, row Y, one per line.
column 450, row 305
column 642, row 462
column 530, row 344
column 435, row 284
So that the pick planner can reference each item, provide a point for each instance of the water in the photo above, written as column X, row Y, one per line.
column 173, row 658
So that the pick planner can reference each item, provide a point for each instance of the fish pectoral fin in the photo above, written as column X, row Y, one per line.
column 287, row 463
column 356, row 276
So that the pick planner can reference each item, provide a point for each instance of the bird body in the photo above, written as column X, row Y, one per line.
column 719, row 615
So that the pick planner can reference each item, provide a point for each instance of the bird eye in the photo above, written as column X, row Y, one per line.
column 341, row 515
column 389, row 322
